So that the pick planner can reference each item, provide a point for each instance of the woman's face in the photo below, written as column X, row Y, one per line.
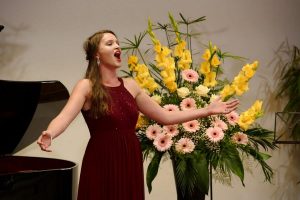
column 109, row 51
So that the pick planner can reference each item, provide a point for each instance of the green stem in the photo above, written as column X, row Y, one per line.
column 187, row 36
column 189, row 41
column 139, row 52
column 156, row 74
column 168, row 39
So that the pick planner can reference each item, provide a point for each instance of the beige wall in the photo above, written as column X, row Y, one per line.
column 42, row 40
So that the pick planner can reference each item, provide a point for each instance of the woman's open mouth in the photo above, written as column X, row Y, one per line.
column 117, row 54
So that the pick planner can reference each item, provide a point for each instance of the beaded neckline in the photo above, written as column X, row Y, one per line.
column 118, row 86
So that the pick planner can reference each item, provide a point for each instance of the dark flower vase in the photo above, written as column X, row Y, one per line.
column 197, row 194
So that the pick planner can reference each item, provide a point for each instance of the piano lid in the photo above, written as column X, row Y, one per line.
column 26, row 108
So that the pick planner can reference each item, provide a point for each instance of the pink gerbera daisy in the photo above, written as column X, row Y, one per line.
column 240, row 138
column 171, row 107
column 191, row 126
column 185, row 145
column 214, row 134
column 188, row 104
column 163, row 142
column 171, row 130
column 190, row 75
column 220, row 123
column 152, row 131
column 232, row 117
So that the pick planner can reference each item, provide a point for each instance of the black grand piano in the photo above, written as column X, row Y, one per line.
column 26, row 108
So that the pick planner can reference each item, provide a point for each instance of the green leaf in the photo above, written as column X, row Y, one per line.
column 268, row 172
column 228, row 55
column 175, row 26
column 261, row 137
column 188, row 22
column 234, row 163
column 153, row 169
column 135, row 43
column 202, row 174
column 264, row 156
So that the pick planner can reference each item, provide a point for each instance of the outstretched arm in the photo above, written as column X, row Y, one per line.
column 151, row 109
column 67, row 115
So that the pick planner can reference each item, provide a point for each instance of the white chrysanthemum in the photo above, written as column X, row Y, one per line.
column 202, row 90
column 183, row 92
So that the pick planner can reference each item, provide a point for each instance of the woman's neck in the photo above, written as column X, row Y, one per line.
column 109, row 76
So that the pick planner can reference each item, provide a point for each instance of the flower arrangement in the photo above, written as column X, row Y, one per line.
column 176, row 82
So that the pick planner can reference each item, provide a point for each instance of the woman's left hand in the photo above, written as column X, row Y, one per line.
column 220, row 107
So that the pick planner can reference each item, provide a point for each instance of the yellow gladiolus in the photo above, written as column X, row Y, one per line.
column 248, row 71
column 151, row 85
column 206, row 55
column 165, row 51
column 160, row 60
column 142, row 121
column 245, row 121
column 215, row 62
column 185, row 61
column 255, row 64
column 132, row 60
column 215, row 48
column 164, row 74
column 240, row 88
column 179, row 48
column 170, row 78
column 248, row 117
column 204, row 68
column 172, row 86
column 227, row 91
column 257, row 108
column 240, row 78
column 142, row 70
column 210, row 79
column 157, row 47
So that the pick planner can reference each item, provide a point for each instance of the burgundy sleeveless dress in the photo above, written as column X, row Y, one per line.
column 112, row 167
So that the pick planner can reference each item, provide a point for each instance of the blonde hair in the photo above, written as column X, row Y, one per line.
column 100, row 97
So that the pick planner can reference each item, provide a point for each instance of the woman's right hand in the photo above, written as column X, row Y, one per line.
column 45, row 141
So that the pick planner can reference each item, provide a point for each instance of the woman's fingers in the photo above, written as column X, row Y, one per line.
column 44, row 141
column 231, row 106
column 232, row 103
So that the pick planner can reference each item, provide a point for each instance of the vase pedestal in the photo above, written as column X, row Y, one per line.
column 196, row 195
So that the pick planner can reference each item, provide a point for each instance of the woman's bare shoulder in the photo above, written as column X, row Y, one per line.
column 130, row 82
column 84, row 81
column 132, row 86
column 84, row 85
